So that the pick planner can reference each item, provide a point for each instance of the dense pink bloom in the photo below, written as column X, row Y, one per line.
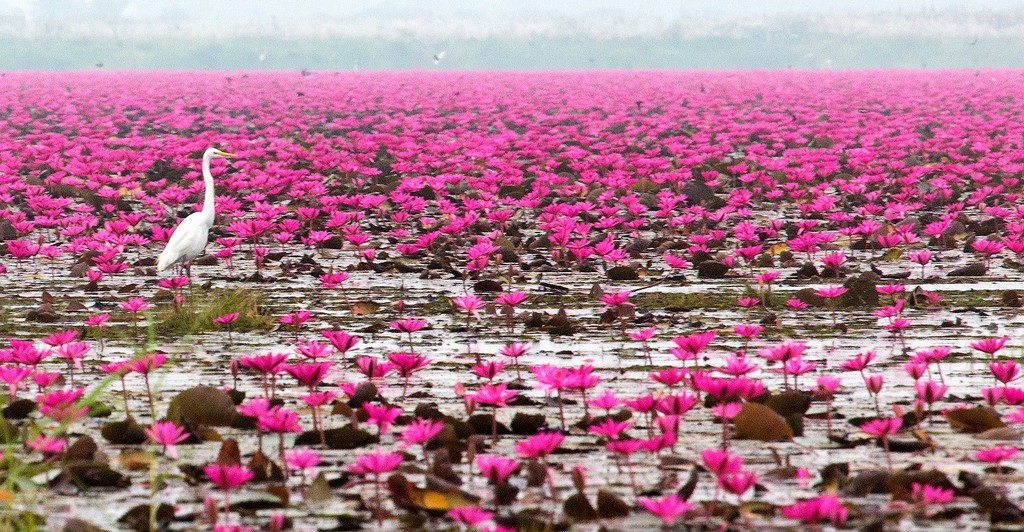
column 643, row 334
column 97, row 320
column 721, row 461
column 827, row 384
column 317, row 399
column 930, row 391
column 13, row 377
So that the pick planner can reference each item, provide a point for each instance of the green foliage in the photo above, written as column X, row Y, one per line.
column 201, row 307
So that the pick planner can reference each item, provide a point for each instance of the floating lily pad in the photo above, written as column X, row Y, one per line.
column 974, row 420
column 202, row 405
column 758, row 422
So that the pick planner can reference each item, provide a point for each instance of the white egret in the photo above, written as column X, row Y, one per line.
column 189, row 238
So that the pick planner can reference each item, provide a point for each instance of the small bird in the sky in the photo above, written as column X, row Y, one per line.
column 438, row 57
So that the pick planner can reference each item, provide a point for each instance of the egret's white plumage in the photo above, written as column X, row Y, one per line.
column 189, row 238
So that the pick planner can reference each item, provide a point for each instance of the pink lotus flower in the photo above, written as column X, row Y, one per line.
column 617, row 299
column 497, row 395
column 996, row 455
column 496, row 469
column 538, row 445
column 990, row 345
column 470, row 304
column 609, row 428
column 470, row 516
column 47, row 446
column 796, row 304
column 376, row 463
column 830, row 291
column 1005, row 371
column 226, row 319
column 280, row 420
column 302, row 459
column 311, row 374
column 695, row 343
column 341, row 340
column 882, row 428
column 738, row 482
column 135, row 305
column 228, row 477
column 511, row 299
column 295, row 319
column 668, row 508
column 514, row 351
column 408, row 325
column 168, row 434
column 381, row 415
column 925, row 494
column 421, row 431
column 62, row 405
column 488, row 369
column 97, row 320
column 826, row 508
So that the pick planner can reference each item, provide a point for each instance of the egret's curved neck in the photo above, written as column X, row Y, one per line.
column 208, row 182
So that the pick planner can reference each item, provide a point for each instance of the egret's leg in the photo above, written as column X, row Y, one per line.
column 188, row 271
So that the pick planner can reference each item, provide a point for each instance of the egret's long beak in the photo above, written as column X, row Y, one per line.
column 226, row 154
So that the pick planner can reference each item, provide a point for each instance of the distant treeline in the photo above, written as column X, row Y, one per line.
column 770, row 50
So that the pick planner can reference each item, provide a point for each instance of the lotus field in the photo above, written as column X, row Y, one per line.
column 513, row 301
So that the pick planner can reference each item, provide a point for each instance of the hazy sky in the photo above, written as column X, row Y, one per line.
column 589, row 33
column 351, row 14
